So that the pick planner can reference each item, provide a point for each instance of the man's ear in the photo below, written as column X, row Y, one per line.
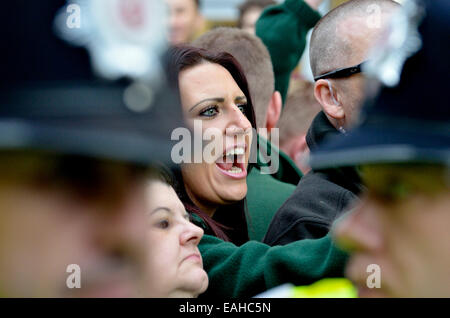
column 273, row 111
column 327, row 97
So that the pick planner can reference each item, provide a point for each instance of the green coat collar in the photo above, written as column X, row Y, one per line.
column 288, row 171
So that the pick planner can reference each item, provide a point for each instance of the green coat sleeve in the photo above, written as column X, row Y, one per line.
column 283, row 29
column 254, row 267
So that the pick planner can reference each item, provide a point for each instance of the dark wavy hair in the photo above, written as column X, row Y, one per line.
column 183, row 57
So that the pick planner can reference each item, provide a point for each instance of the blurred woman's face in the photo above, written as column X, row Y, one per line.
column 175, row 267
column 210, row 96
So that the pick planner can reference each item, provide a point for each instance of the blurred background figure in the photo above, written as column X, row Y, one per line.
column 185, row 20
column 283, row 28
column 298, row 113
column 75, row 149
column 249, row 13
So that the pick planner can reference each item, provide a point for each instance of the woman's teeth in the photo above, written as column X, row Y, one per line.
column 235, row 169
column 230, row 167
column 235, row 152
column 233, row 161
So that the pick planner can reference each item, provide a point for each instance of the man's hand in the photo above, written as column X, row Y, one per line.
column 314, row 3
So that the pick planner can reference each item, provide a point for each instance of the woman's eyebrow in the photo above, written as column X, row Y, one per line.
column 241, row 98
column 215, row 99
column 160, row 208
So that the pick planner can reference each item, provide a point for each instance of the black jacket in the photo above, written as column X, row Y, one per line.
column 320, row 196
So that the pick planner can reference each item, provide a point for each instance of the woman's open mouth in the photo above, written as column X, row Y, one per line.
column 233, row 164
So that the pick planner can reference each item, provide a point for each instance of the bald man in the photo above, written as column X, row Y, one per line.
column 340, row 42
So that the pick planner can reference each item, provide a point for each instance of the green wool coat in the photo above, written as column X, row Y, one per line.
column 266, row 193
column 254, row 267
column 283, row 29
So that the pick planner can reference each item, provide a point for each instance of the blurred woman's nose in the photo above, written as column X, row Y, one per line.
column 191, row 234
column 358, row 229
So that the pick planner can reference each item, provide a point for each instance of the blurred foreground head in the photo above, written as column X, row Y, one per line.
column 403, row 148
column 76, row 145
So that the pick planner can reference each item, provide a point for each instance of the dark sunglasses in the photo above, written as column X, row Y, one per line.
column 342, row 72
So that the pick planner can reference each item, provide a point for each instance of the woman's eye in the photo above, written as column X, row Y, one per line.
column 212, row 111
column 243, row 108
column 163, row 224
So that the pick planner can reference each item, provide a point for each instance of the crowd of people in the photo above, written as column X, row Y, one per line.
column 297, row 181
